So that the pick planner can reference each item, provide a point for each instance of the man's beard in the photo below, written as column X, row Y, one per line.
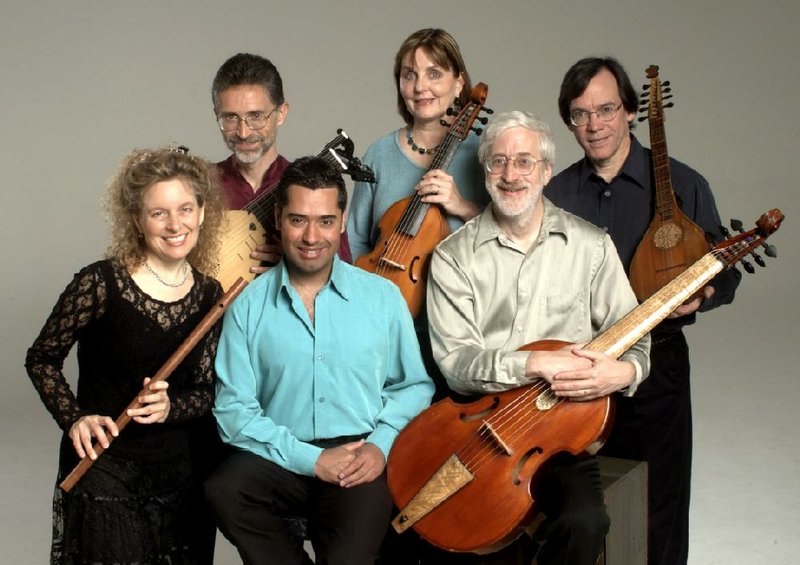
column 248, row 157
column 512, row 209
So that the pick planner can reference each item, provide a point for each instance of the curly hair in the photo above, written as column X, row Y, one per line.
column 442, row 48
column 124, row 200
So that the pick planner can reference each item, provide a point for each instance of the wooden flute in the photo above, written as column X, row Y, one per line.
column 163, row 374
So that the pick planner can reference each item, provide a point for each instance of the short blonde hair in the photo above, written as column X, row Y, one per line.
column 141, row 169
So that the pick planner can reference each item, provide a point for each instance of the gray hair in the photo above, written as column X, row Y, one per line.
column 516, row 118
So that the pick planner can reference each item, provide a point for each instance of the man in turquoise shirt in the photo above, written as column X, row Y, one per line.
column 318, row 371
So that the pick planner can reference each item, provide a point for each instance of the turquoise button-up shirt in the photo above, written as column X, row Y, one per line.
column 284, row 382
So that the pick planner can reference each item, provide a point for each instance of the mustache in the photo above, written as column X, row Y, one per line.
column 253, row 138
column 511, row 185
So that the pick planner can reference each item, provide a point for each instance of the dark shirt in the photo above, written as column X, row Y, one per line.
column 123, row 336
column 624, row 208
column 239, row 193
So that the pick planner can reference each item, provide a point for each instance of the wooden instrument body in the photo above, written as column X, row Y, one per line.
column 255, row 224
column 673, row 242
column 474, row 520
column 405, row 258
column 244, row 232
column 410, row 229
column 668, row 247
column 461, row 474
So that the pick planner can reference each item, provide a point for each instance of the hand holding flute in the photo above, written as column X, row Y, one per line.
column 151, row 404
column 154, row 409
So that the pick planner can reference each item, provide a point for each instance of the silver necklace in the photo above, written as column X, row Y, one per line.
column 417, row 148
column 165, row 283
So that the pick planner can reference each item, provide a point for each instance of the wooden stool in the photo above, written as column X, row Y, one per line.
column 625, row 488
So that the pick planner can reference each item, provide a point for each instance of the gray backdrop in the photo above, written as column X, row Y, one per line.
column 85, row 81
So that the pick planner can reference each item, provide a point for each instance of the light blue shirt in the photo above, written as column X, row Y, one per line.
column 284, row 382
column 396, row 176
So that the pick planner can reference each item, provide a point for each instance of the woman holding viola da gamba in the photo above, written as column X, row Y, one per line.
column 140, row 502
column 430, row 76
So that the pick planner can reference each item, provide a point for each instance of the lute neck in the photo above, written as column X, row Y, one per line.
column 665, row 198
column 665, row 201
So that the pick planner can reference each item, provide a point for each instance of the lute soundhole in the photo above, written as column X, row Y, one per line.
column 668, row 236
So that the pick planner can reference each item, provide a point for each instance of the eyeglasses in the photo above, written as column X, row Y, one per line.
column 524, row 164
column 254, row 120
column 606, row 113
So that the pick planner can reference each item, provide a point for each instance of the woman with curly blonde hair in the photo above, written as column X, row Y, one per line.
column 128, row 314
column 125, row 195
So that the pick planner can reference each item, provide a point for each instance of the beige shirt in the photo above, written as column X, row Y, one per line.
column 487, row 298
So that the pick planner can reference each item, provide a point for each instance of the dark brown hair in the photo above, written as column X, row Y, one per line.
column 581, row 73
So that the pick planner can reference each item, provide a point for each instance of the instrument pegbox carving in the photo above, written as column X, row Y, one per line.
column 341, row 151
column 769, row 249
column 664, row 90
column 456, row 108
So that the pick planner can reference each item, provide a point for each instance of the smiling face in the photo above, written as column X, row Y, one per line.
column 515, row 196
column 606, row 144
column 427, row 88
column 170, row 221
column 249, row 145
column 311, row 223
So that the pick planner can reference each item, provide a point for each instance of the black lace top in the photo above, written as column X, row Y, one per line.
column 123, row 336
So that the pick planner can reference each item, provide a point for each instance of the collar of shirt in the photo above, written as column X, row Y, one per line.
column 238, row 190
column 339, row 281
column 634, row 168
column 489, row 229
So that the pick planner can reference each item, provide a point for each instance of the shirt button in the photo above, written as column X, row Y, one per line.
column 320, row 358
column 322, row 399
column 519, row 329
column 607, row 193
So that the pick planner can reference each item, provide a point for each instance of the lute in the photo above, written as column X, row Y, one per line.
column 672, row 242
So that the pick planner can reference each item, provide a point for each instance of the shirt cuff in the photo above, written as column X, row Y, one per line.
column 304, row 458
column 630, row 390
column 383, row 437
column 504, row 374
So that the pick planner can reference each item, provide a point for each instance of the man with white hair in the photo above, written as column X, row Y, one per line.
column 523, row 271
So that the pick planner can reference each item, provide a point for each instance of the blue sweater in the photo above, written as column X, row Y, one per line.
column 396, row 176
